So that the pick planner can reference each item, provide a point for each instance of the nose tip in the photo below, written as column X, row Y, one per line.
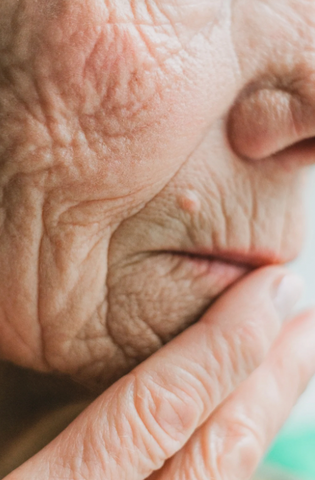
column 269, row 122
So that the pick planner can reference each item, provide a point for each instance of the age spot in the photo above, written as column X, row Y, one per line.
column 189, row 202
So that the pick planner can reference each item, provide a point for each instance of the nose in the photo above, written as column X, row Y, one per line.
column 267, row 121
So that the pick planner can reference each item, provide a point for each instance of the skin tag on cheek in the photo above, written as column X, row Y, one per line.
column 189, row 202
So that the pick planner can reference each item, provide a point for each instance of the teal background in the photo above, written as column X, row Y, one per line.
column 294, row 451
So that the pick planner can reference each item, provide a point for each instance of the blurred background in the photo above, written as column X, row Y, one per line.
column 305, row 265
column 292, row 456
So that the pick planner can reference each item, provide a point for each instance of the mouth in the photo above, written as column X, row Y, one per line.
column 248, row 260
column 218, row 271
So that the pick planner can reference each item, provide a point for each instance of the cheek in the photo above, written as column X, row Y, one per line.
column 122, row 90
column 232, row 204
column 111, row 98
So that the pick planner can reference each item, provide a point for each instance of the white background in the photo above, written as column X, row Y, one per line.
column 305, row 265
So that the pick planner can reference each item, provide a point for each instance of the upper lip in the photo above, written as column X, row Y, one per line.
column 249, row 259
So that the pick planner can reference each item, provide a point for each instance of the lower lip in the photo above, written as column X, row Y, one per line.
column 211, row 272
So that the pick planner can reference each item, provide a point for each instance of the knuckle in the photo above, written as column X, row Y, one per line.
column 169, row 414
column 235, row 355
column 245, row 430
column 243, row 447
column 253, row 343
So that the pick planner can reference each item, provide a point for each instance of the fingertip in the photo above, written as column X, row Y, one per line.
column 286, row 293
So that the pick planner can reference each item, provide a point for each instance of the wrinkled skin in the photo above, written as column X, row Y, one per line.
column 129, row 130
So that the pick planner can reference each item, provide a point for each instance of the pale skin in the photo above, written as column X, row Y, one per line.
column 132, row 135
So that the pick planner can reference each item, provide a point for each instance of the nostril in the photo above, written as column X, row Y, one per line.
column 303, row 145
column 302, row 152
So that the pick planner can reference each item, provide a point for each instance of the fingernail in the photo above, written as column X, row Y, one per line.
column 288, row 292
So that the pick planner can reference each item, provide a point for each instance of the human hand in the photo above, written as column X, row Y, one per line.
column 184, row 413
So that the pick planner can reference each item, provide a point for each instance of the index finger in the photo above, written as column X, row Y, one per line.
column 149, row 415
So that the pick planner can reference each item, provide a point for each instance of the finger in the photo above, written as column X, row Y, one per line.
column 149, row 415
column 233, row 441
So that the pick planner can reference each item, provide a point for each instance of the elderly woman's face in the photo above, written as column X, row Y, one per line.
column 151, row 154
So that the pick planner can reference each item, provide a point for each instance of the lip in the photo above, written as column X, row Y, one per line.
column 215, row 272
column 208, row 276
column 247, row 260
